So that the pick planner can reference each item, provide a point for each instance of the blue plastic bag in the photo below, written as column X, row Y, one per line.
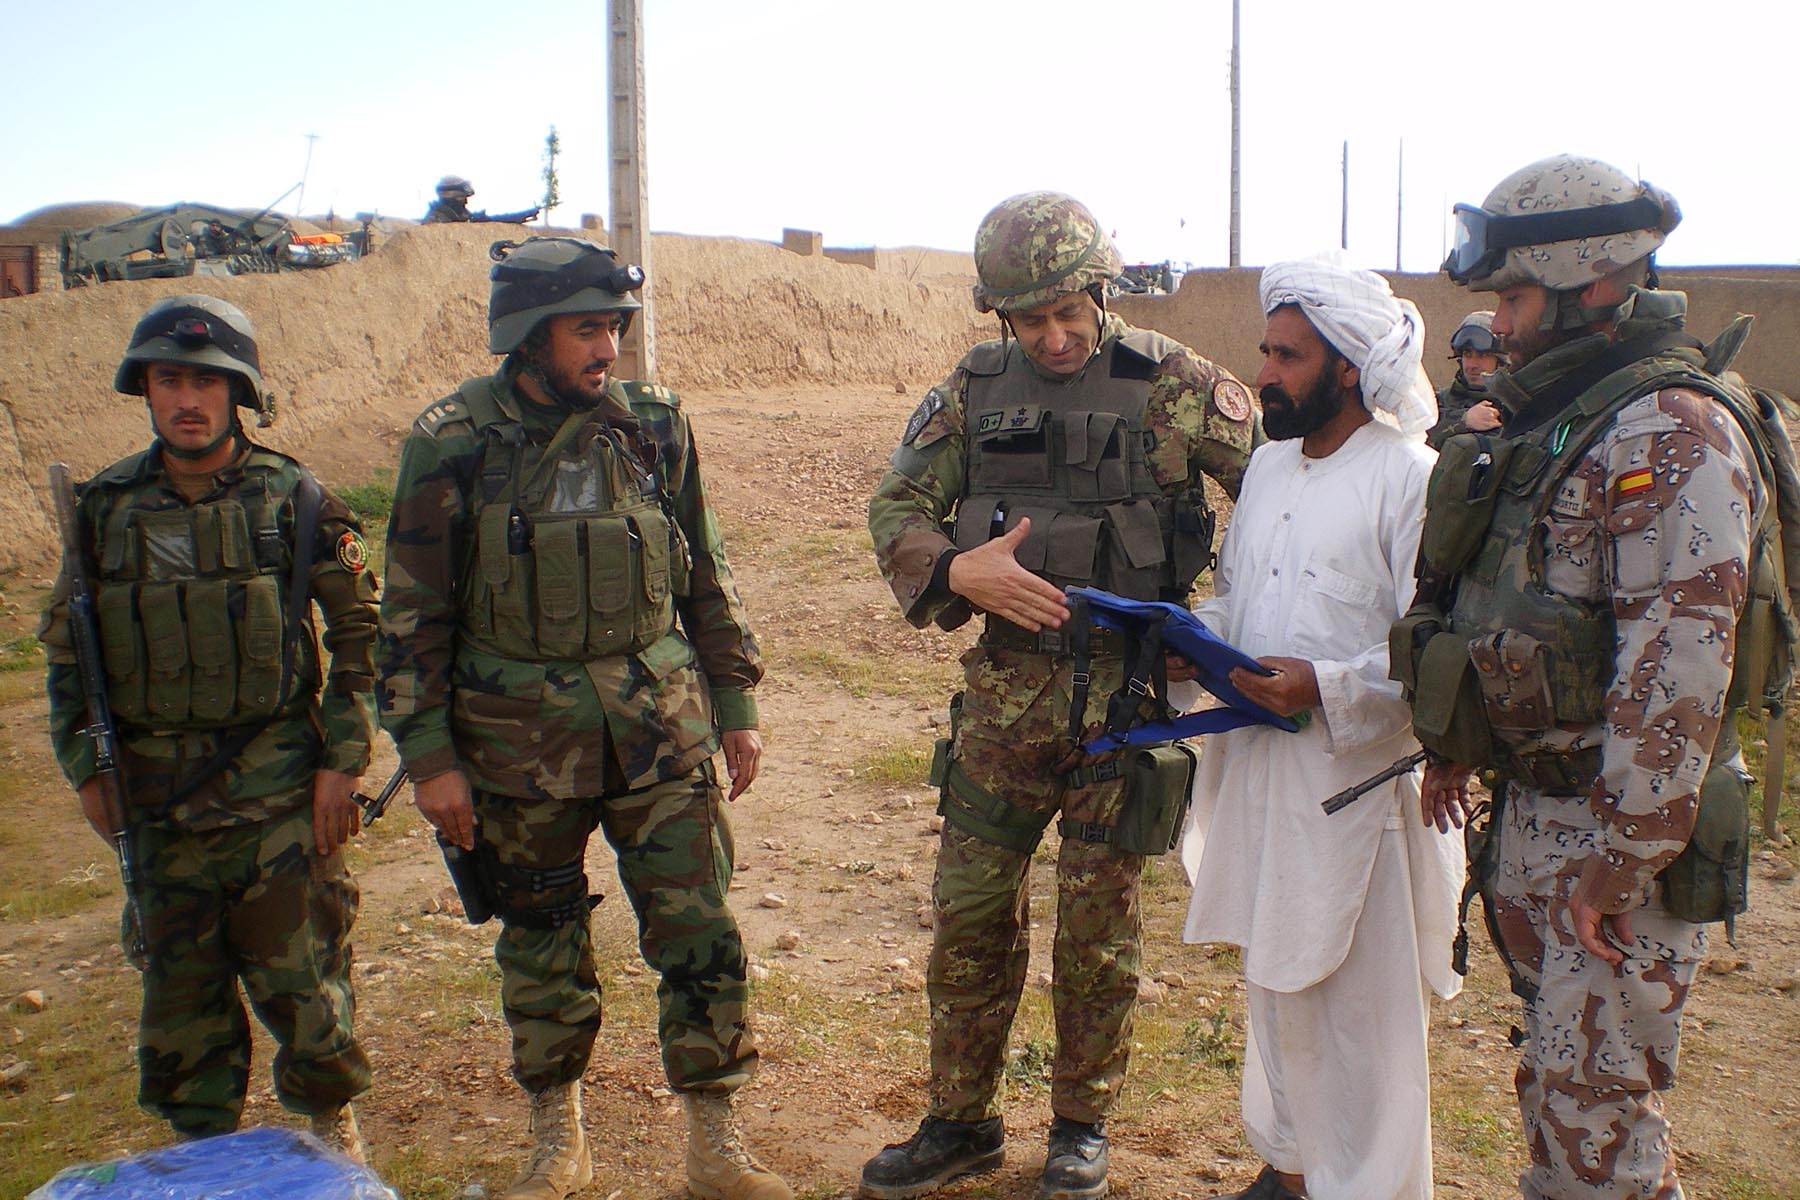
column 251, row 1165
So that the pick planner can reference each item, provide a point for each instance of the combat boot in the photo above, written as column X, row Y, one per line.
column 337, row 1128
column 718, row 1166
column 1075, row 1163
column 560, row 1163
column 941, row 1151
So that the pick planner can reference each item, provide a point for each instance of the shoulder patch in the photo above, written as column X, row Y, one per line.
column 1232, row 400
column 929, row 407
column 352, row 552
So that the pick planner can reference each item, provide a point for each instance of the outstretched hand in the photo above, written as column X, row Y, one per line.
column 990, row 578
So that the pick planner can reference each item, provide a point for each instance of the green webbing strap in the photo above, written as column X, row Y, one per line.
column 1085, row 831
column 1093, row 773
column 980, row 813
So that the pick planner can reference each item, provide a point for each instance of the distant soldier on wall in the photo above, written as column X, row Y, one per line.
column 240, row 755
column 452, row 206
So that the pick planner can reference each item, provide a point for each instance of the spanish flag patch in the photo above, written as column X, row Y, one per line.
column 1633, row 482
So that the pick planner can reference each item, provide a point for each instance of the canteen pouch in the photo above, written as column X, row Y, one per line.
column 1159, row 785
column 1449, row 714
column 1709, row 880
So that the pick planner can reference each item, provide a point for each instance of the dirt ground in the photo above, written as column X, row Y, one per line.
column 835, row 852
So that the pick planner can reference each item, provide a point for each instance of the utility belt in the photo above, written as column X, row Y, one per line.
column 1158, row 785
column 1003, row 634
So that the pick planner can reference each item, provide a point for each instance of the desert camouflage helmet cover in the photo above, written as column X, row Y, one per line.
column 543, row 276
column 1034, row 247
column 455, row 184
column 1561, row 223
column 202, row 331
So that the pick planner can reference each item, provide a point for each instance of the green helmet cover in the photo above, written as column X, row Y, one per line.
column 201, row 331
column 1035, row 247
column 545, row 276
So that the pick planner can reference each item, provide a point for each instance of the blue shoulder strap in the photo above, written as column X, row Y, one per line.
column 1181, row 631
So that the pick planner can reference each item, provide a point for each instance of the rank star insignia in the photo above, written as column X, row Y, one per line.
column 352, row 554
column 1232, row 401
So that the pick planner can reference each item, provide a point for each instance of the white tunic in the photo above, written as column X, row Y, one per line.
column 1317, row 563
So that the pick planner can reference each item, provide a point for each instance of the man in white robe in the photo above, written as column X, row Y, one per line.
column 1345, row 920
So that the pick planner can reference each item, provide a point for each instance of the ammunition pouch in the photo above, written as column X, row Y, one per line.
column 1460, row 499
column 1435, row 667
column 538, row 897
column 1159, row 786
column 1709, row 880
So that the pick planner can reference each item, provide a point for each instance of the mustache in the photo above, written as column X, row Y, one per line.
column 1276, row 393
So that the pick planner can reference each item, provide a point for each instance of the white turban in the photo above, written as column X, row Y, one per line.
column 1381, row 333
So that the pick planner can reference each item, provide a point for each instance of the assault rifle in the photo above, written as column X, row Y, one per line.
column 1350, row 795
column 102, row 730
column 464, row 865
column 523, row 216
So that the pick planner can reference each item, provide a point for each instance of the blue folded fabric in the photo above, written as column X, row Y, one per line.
column 1183, row 633
column 255, row 1164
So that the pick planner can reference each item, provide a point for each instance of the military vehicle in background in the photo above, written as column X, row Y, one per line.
column 1147, row 277
column 200, row 239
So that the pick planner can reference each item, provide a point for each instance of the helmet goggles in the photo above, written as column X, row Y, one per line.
column 1482, row 238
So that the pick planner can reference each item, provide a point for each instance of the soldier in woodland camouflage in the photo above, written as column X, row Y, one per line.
column 1604, row 677
column 1071, row 451
column 549, row 528
column 238, row 792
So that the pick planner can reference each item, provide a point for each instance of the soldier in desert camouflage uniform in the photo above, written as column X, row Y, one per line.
column 1608, row 689
column 549, row 527
column 1071, row 452
column 239, row 795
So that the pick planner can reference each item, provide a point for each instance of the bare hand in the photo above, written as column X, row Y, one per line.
column 1445, row 802
column 1483, row 417
column 1600, row 934
column 990, row 578
column 444, row 800
column 97, row 807
column 336, row 817
column 1179, row 668
column 743, row 754
column 1293, row 688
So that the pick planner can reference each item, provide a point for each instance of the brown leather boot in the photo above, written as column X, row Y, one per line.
column 718, row 1166
column 560, row 1162
column 337, row 1128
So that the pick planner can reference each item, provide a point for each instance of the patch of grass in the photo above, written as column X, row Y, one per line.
column 1484, row 1136
column 21, row 683
column 74, row 892
column 860, row 675
column 908, row 765
column 21, row 654
column 1030, row 1063
column 1213, row 1041
column 371, row 501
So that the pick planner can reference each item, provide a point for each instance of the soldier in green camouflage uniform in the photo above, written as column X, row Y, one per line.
column 238, row 843
column 1603, row 620
column 1070, row 452
column 1464, row 405
column 549, row 527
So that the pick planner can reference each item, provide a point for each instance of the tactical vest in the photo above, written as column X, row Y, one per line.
column 575, row 556
column 1514, row 657
column 191, row 601
column 1072, row 457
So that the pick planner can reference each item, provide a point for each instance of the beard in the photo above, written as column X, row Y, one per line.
column 1526, row 344
column 569, row 388
column 1284, row 419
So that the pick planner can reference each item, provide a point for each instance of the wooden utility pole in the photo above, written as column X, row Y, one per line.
column 1399, row 204
column 1344, row 203
column 1236, row 144
column 630, row 177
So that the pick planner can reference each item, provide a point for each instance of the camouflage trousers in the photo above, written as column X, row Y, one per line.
column 1600, row 1041
column 1014, row 729
column 674, row 853
column 251, row 904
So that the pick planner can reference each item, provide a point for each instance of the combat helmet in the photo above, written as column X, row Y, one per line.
column 202, row 331
column 1475, row 334
column 455, row 185
column 1560, row 223
column 543, row 276
column 1036, row 246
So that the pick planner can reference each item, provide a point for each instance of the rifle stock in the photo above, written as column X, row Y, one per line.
column 102, row 729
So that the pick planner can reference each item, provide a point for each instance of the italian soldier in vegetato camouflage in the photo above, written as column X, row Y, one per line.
column 1072, row 452
column 549, row 529
column 1610, row 616
column 239, row 751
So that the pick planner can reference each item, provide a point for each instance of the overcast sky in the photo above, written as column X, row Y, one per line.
column 902, row 123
